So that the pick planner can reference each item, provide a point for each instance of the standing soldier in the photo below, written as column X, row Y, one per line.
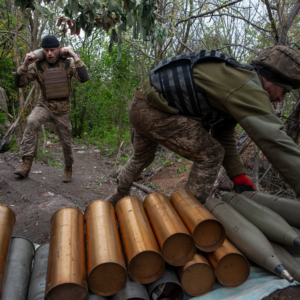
column 189, row 95
column 54, row 75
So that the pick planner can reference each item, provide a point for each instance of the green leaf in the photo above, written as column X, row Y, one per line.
column 60, row 3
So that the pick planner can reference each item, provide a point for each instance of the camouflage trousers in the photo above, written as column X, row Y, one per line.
column 183, row 135
column 35, row 120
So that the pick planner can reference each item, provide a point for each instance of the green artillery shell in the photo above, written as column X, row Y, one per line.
column 288, row 260
column 273, row 226
column 292, row 250
column 287, row 208
column 247, row 238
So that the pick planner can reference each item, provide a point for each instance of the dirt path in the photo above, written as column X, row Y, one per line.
column 35, row 199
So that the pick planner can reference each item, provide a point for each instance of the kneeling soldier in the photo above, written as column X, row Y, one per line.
column 54, row 74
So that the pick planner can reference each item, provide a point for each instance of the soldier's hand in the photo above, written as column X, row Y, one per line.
column 68, row 52
column 29, row 59
column 242, row 184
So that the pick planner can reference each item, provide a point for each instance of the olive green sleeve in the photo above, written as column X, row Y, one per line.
column 267, row 131
column 79, row 71
column 250, row 106
column 224, row 134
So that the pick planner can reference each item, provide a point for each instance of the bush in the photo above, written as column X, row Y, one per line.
column 2, row 117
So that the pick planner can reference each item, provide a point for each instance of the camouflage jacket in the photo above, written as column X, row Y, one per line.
column 36, row 71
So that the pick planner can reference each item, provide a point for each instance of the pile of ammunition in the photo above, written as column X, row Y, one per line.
column 171, row 247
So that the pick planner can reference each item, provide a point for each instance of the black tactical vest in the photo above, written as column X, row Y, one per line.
column 174, row 78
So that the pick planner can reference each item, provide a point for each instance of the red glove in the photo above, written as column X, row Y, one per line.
column 242, row 183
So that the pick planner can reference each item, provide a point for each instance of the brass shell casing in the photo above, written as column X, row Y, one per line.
column 231, row 267
column 197, row 276
column 207, row 231
column 145, row 262
column 7, row 221
column 176, row 244
column 105, row 262
column 66, row 276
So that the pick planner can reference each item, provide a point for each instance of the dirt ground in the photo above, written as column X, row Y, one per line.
column 35, row 199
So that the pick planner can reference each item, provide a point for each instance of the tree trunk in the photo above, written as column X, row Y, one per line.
column 21, row 93
column 293, row 127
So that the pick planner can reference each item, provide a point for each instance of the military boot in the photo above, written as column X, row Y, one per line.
column 24, row 170
column 67, row 174
column 115, row 197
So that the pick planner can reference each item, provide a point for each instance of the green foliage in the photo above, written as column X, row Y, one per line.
column 12, row 145
column 57, row 165
column 23, row 4
column 106, row 16
column 2, row 117
column 152, row 186
column 99, row 106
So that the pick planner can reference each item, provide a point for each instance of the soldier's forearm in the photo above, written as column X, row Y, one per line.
column 82, row 72
column 24, row 67
column 76, row 58
column 20, row 81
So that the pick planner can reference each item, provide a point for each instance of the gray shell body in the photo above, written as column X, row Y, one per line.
column 39, row 273
column 18, row 270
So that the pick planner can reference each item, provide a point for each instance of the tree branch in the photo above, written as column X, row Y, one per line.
column 241, row 18
column 247, row 48
column 273, row 24
column 139, row 49
column 292, row 15
column 207, row 13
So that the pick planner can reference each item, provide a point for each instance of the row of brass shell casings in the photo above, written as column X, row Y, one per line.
column 226, row 264
column 71, row 269
column 106, row 272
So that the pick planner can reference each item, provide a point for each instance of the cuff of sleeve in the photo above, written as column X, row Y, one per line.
column 78, row 63
column 20, row 71
column 236, row 172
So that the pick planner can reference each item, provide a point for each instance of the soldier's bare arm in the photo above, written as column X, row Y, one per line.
column 78, row 69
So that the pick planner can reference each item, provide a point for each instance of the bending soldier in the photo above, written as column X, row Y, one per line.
column 189, row 95
column 54, row 74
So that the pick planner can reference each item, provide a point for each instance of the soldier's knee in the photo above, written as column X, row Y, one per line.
column 220, row 151
column 32, row 123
